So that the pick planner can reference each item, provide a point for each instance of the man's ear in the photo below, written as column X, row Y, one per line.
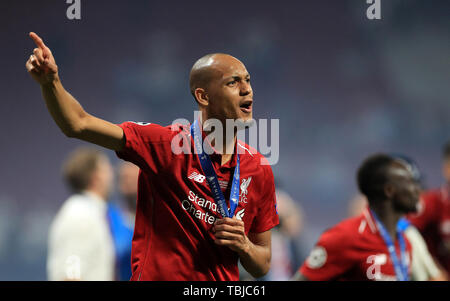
column 201, row 96
column 389, row 191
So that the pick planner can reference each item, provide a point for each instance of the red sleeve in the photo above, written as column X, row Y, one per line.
column 329, row 259
column 147, row 145
column 267, row 216
column 429, row 210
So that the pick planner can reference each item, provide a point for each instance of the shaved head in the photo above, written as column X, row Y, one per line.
column 207, row 68
column 220, row 84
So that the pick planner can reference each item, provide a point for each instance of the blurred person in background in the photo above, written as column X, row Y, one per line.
column 128, row 174
column 121, row 218
column 80, row 245
column 424, row 267
column 286, row 252
column 433, row 217
column 371, row 246
column 286, row 247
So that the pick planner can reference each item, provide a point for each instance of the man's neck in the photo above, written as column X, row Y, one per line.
column 226, row 151
column 227, row 146
column 226, row 158
column 388, row 217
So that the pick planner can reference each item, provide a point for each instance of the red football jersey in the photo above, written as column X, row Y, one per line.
column 433, row 221
column 352, row 250
column 176, row 211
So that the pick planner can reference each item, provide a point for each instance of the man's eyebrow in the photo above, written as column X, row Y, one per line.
column 236, row 77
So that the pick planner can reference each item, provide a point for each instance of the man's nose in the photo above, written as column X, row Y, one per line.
column 246, row 89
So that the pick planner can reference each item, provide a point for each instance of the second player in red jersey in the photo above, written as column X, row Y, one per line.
column 353, row 250
column 371, row 246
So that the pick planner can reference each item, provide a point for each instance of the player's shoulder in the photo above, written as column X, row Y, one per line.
column 253, row 156
column 179, row 128
column 246, row 150
column 435, row 195
column 346, row 231
column 346, row 226
column 155, row 130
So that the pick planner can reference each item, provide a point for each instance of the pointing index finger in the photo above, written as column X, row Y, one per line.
column 37, row 40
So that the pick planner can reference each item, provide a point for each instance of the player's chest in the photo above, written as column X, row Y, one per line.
column 197, row 198
column 379, row 265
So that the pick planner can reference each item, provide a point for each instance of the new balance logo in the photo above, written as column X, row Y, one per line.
column 197, row 177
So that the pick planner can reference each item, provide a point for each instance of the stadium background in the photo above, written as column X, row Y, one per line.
column 342, row 86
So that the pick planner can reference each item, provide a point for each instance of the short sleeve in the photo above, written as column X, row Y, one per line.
column 267, row 216
column 147, row 145
column 329, row 258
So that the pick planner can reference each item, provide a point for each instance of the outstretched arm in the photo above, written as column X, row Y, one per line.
column 67, row 112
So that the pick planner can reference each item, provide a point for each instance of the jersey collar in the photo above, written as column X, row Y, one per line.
column 370, row 220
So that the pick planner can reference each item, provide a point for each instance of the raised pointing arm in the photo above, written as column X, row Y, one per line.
column 67, row 112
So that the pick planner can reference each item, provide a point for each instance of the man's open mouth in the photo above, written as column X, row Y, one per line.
column 246, row 106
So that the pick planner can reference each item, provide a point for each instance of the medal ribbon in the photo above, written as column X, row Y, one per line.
column 401, row 267
column 211, row 176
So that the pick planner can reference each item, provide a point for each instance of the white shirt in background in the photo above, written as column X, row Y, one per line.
column 423, row 266
column 80, row 245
